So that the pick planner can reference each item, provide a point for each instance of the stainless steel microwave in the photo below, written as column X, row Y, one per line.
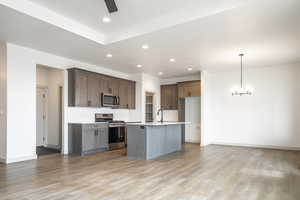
column 110, row 100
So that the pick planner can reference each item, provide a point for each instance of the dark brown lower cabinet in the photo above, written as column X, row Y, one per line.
column 88, row 138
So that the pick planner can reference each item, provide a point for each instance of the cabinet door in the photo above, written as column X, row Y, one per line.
column 93, row 90
column 114, row 86
column 103, row 137
column 104, row 85
column 124, row 93
column 189, row 89
column 81, row 88
column 131, row 95
column 174, row 97
column 88, row 138
column 193, row 89
column 181, row 93
column 163, row 97
column 169, row 97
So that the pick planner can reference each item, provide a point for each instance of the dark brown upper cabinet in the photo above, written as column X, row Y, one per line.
column 189, row 89
column 123, row 93
column 86, row 88
column 94, row 91
column 169, row 97
column 131, row 94
column 105, row 85
column 127, row 94
column 78, row 88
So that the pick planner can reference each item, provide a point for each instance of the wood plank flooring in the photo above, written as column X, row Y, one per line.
column 210, row 173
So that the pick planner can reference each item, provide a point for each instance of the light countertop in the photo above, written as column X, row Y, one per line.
column 90, row 123
column 157, row 123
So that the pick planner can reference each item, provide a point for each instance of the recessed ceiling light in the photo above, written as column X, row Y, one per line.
column 139, row 66
column 190, row 69
column 160, row 73
column 106, row 19
column 108, row 55
column 145, row 46
column 172, row 60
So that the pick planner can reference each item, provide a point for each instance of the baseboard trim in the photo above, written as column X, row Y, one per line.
column 257, row 146
column 20, row 159
column 192, row 141
column 52, row 146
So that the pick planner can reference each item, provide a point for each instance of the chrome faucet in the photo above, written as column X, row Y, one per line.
column 162, row 115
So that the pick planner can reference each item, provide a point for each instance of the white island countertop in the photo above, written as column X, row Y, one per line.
column 157, row 123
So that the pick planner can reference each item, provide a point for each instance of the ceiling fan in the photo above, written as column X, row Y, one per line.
column 111, row 6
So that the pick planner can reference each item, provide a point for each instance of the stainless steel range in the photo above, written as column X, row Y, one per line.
column 117, row 131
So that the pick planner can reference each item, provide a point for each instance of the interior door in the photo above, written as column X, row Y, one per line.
column 41, row 116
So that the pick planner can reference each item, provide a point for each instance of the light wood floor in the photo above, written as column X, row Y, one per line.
column 210, row 173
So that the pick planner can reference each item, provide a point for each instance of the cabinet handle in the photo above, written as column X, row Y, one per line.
column 89, row 103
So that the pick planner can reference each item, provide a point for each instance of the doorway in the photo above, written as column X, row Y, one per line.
column 49, row 110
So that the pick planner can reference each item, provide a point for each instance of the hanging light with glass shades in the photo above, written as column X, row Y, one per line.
column 243, row 89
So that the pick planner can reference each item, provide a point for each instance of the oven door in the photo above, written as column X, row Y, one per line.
column 109, row 100
column 117, row 137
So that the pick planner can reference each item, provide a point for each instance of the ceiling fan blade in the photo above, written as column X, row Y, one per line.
column 111, row 6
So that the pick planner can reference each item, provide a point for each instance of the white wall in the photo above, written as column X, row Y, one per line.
column 270, row 118
column 21, row 107
column 2, row 102
column 21, row 98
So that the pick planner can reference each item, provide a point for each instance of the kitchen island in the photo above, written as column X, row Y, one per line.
column 151, row 140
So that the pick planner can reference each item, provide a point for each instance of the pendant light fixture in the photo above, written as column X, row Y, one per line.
column 242, row 89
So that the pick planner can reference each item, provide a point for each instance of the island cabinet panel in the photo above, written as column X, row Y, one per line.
column 149, row 142
column 156, row 141
column 88, row 138
column 189, row 89
column 136, row 142
column 86, row 88
column 169, row 97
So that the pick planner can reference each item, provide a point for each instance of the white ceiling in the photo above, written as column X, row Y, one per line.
column 136, row 17
column 205, row 34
